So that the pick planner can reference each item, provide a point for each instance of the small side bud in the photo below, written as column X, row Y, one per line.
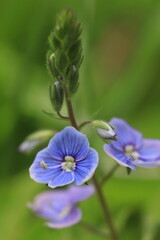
column 35, row 140
column 56, row 95
column 52, row 66
column 75, row 53
column 61, row 61
column 72, row 79
column 54, row 42
column 104, row 130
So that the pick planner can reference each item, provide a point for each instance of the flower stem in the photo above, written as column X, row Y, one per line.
column 70, row 110
column 84, row 123
column 109, row 175
column 105, row 209
column 63, row 117
column 94, row 230
column 103, row 203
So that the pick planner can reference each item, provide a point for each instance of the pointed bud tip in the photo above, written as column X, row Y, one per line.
column 104, row 130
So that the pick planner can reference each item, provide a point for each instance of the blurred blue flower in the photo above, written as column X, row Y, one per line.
column 131, row 149
column 58, row 207
column 68, row 158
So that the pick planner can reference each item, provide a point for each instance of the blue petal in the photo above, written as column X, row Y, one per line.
column 147, row 164
column 150, row 149
column 80, row 193
column 38, row 174
column 126, row 135
column 119, row 156
column 86, row 167
column 49, row 204
column 72, row 218
column 69, row 142
column 61, row 180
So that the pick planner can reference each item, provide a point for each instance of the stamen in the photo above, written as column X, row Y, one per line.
column 69, row 164
column 134, row 155
column 130, row 151
column 43, row 165
column 69, row 159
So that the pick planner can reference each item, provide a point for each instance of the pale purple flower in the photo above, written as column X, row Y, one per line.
column 58, row 207
column 131, row 149
column 68, row 158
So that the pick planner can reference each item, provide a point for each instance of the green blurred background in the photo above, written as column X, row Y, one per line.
column 119, row 77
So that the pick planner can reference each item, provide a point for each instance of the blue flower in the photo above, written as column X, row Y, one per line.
column 58, row 207
column 131, row 149
column 68, row 158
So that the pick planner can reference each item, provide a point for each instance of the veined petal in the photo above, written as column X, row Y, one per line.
column 150, row 149
column 61, row 180
column 147, row 164
column 125, row 134
column 86, row 167
column 40, row 175
column 119, row 156
column 80, row 193
column 69, row 142
column 72, row 218
column 50, row 204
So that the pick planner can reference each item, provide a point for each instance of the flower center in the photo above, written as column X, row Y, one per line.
column 130, row 151
column 68, row 165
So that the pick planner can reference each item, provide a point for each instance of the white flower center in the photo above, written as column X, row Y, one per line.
column 68, row 165
column 129, row 151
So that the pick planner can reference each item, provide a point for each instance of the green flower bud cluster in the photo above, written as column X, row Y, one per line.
column 64, row 57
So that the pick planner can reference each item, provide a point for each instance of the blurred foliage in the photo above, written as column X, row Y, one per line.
column 119, row 77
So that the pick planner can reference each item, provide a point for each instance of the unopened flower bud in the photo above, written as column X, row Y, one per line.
column 104, row 130
column 35, row 140
column 52, row 66
column 56, row 95
column 61, row 61
column 72, row 79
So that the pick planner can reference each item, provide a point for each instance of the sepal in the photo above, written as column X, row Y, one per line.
column 51, row 65
column 56, row 95
column 72, row 79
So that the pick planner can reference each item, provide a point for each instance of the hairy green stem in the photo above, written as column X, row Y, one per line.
column 110, row 174
column 70, row 110
column 94, row 230
column 105, row 209
column 63, row 117
column 103, row 203
column 84, row 123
